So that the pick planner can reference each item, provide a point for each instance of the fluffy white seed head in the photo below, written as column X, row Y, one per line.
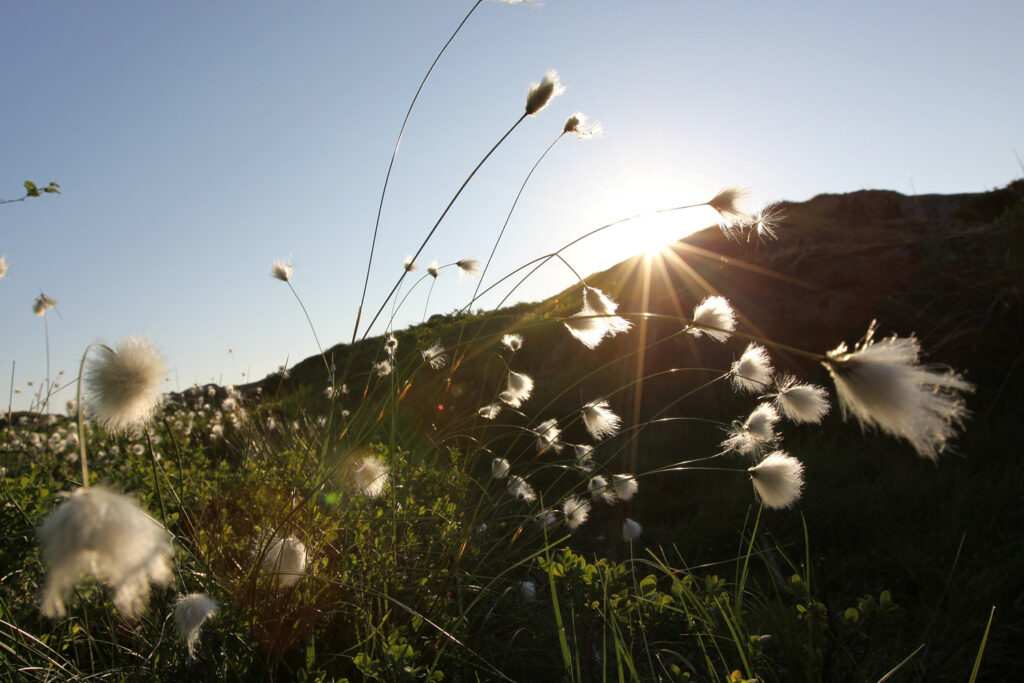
column 727, row 204
column 597, row 319
column 578, row 125
column 42, row 304
column 753, row 371
column 285, row 559
column 189, row 614
column 539, row 94
column 801, row 402
column 3, row 266
column 584, row 457
column 383, row 368
column 575, row 510
column 756, row 433
column 434, row 355
column 106, row 535
column 519, row 388
column 468, row 267
column 714, row 317
column 408, row 264
column 500, row 468
column 391, row 345
column 624, row 486
column 520, row 490
column 600, row 489
column 512, row 342
column 528, row 591
column 547, row 436
column 600, row 420
column 371, row 477
column 123, row 385
column 778, row 479
column 282, row 270
column 433, row 270
column 884, row 385
column 489, row 411
column 631, row 530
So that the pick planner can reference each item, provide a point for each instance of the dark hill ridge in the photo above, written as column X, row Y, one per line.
column 945, row 267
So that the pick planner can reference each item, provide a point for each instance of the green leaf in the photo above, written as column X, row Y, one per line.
column 852, row 615
column 648, row 585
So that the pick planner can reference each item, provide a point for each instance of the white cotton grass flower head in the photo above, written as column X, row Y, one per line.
column 371, row 477
column 756, row 433
column 728, row 205
column 42, row 304
column 600, row 489
column 468, row 267
column 584, row 457
column 578, row 125
column 285, row 559
column 517, row 389
column 575, row 510
column 631, row 530
column 884, row 385
column 528, row 591
column 391, row 345
column 624, row 486
column 540, row 94
column 765, row 222
column 105, row 534
column 520, row 490
column 489, row 411
column 190, row 612
column 714, row 317
column 434, row 355
column 4, row 265
column 383, row 368
column 547, row 436
column 778, row 479
column 500, row 468
column 753, row 371
column 433, row 270
column 599, row 419
column 512, row 342
column 545, row 518
column 597, row 319
column 801, row 403
column 282, row 270
column 123, row 385
column 408, row 264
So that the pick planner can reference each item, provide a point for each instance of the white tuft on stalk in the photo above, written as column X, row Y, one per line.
column 434, row 355
column 631, row 530
column 800, row 402
column 624, row 486
column 500, row 468
column 517, row 390
column 123, row 386
column 285, row 559
column 371, row 477
column 282, row 270
column 575, row 510
column 489, row 411
column 520, row 490
column 539, row 94
column 727, row 204
column 714, row 317
column 778, row 479
column 106, row 535
column 753, row 371
column 547, row 436
column 189, row 614
column 600, row 420
column 512, row 342
column 577, row 125
column 3, row 266
column 42, row 304
column 884, row 385
column 468, row 267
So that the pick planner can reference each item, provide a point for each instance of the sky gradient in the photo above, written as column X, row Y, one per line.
column 196, row 143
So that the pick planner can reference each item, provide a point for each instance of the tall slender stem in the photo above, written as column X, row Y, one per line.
column 387, row 178
column 313, row 330
column 438, row 223
column 483, row 273
column 81, row 413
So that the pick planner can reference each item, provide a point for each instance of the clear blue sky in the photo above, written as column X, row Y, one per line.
column 197, row 142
